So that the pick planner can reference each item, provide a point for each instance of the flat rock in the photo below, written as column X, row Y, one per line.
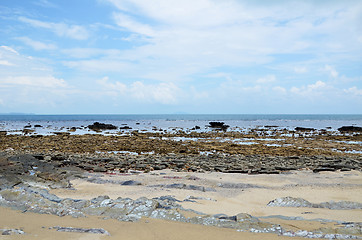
column 82, row 230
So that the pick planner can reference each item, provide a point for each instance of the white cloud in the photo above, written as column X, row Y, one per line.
column 354, row 90
column 29, row 82
column 91, row 52
column 331, row 70
column 200, row 35
column 279, row 90
column 132, row 25
column 100, row 65
column 36, row 44
column 61, row 29
column 300, row 69
column 33, row 81
column 311, row 89
column 6, row 63
column 9, row 49
column 46, row 4
column 165, row 93
column 266, row 79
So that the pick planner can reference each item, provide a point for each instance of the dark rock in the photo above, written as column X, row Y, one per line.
column 281, row 168
column 131, row 183
column 303, row 129
column 324, row 169
column 269, row 171
column 38, row 126
column 218, row 125
column 101, row 126
column 350, row 129
column 125, row 127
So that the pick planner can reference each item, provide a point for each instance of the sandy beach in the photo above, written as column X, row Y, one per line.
column 314, row 187
column 186, row 185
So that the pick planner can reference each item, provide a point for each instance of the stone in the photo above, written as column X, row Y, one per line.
column 303, row 129
column 300, row 202
column 218, row 125
column 12, row 231
column 131, row 183
column 82, row 230
column 96, row 126
column 350, row 129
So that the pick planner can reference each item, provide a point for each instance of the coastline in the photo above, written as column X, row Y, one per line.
column 223, row 179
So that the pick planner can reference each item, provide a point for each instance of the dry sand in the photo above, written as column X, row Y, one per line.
column 314, row 187
column 37, row 226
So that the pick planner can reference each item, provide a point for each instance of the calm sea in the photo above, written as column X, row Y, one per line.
column 168, row 121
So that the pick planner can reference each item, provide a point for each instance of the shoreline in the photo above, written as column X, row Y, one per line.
column 278, row 182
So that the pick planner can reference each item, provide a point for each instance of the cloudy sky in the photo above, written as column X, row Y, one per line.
column 180, row 56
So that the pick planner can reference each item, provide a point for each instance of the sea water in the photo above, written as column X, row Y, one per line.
column 174, row 122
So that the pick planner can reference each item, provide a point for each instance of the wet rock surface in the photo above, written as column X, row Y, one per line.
column 81, row 230
column 300, row 202
column 11, row 232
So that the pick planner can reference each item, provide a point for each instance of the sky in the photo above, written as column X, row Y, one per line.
column 173, row 56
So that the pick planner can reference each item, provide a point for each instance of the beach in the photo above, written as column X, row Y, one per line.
column 263, row 182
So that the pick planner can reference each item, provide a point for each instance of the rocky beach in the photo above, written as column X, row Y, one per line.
column 107, row 181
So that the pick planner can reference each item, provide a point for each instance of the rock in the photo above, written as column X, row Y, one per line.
column 82, row 230
column 38, row 126
column 289, row 202
column 131, row 183
column 101, row 126
column 187, row 187
column 218, row 125
column 303, row 129
column 12, row 231
column 323, row 169
column 99, row 169
column 237, row 185
column 125, row 128
column 350, row 129
column 300, row 202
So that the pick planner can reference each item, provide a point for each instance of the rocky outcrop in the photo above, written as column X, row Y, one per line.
column 101, row 126
column 300, row 202
column 81, row 230
column 218, row 126
column 350, row 129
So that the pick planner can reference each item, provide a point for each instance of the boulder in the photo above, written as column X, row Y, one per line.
column 218, row 126
column 101, row 126
column 350, row 129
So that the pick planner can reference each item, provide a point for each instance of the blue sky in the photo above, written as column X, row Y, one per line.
column 170, row 56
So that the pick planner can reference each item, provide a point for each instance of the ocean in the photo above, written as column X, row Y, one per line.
column 150, row 122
